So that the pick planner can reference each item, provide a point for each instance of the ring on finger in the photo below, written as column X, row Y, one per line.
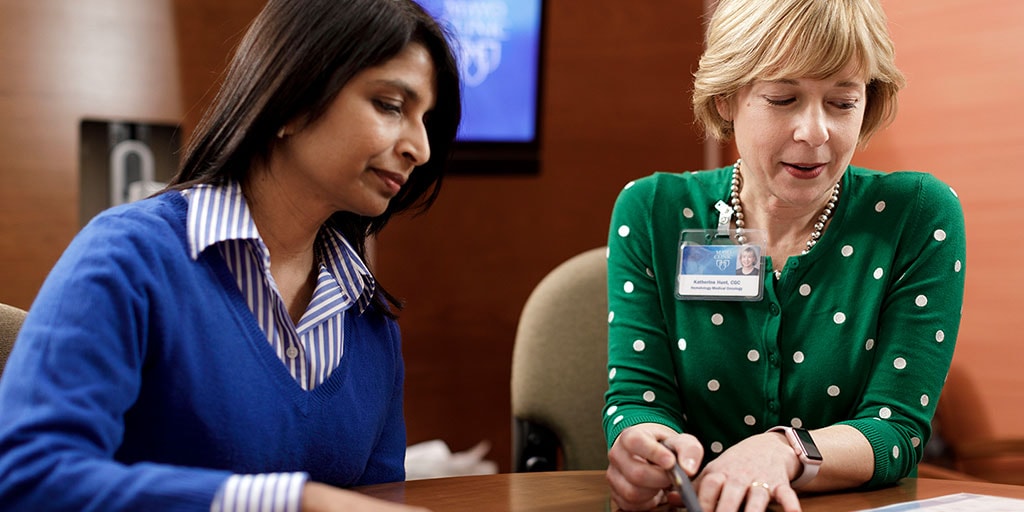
column 763, row 485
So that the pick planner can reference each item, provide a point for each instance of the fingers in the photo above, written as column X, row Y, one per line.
column 758, row 496
column 638, row 463
column 629, row 496
column 720, row 493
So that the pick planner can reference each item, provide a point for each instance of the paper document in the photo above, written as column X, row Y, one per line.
column 962, row 502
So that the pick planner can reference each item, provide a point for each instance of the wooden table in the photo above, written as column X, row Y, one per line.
column 582, row 491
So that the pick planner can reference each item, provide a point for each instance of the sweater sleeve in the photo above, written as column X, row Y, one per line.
column 917, row 331
column 75, row 370
column 639, row 360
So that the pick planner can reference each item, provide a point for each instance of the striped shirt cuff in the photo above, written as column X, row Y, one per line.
column 266, row 492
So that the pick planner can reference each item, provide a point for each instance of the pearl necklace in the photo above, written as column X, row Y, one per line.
column 734, row 199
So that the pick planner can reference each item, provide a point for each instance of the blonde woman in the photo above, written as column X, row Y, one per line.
column 830, row 379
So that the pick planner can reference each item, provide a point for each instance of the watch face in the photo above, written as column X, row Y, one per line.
column 808, row 443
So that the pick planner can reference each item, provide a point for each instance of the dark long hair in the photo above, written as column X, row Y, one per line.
column 295, row 58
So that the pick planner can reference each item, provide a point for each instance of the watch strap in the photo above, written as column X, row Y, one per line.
column 810, row 466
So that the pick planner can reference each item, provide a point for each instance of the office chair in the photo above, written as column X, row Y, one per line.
column 10, row 323
column 559, row 369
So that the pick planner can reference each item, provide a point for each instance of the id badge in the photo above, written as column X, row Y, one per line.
column 712, row 266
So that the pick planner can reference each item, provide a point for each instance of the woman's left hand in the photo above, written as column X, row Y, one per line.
column 755, row 471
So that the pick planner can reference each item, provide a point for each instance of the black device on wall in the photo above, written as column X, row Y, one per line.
column 498, row 45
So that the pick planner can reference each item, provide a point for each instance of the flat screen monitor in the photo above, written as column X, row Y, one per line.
column 498, row 46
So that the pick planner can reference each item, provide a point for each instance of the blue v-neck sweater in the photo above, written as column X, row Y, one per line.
column 142, row 381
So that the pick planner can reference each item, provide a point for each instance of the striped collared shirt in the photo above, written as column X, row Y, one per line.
column 218, row 216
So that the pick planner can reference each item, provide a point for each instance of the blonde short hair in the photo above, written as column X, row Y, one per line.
column 751, row 40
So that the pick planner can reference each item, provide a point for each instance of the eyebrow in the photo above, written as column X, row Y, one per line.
column 401, row 85
column 845, row 84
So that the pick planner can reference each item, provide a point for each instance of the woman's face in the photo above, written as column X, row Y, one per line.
column 357, row 156
column 747, row 259
column 796, row 136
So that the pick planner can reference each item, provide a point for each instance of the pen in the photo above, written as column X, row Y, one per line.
column 682, row 484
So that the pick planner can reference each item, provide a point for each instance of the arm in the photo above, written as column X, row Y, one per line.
column 640, row 365
column 74, row 372
column 917, row 332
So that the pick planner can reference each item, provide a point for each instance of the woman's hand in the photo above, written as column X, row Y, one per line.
column 637, row 464
column 317, row 497
column 755, row 471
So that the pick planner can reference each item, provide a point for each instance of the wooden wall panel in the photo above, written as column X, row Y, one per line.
column 60, row 62
column 960, row 119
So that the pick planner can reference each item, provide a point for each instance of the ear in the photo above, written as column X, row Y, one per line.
column 724, row 106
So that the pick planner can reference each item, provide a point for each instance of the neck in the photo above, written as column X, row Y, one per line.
column 791, row 229
column 286, row 227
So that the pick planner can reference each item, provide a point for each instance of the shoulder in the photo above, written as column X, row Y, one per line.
column 906, row 185
column 152, row 226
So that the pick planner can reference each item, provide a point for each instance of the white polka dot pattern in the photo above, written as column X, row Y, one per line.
column 878, row 273
column 617, row 420
column 833, row 390
column 885, row 413
column 796, row 422
column 880, row 206
column 628, row 287
column 682, row 344
column 713, row 385
column 805, row 289
column 869, row 344
column 847, row 251
column 623, row 231
column 648, row 396
column 895, row 452
column 924, row 400
column 612, row 409
column 940, row 235
column 688, row 213
column 629, row 185
column 940, row 336
column 899, row 363
column 611, row 374
column 750, row 420
column 717, row 319
column 716, row 447
column 639, row 345
column 798, row 357
column 839, row 317
column 753, row 356
column 921, row 301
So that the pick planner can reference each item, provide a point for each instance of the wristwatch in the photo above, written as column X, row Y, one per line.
column 802, row 443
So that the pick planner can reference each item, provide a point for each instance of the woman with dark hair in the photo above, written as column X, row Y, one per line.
column 223, row 345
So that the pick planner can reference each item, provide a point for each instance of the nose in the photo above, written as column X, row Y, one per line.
column 812, row 126
column 415, row 144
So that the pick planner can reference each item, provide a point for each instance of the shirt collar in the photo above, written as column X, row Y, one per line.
column 220, row 213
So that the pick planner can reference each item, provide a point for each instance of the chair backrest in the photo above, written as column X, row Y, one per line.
column 559, row 369
column 10, row 323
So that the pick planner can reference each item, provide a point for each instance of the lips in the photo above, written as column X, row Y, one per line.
column 804, row 170
column 392, row 180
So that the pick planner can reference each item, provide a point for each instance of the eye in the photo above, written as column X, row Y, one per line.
column 845, row 104
column 388, row 106
column 779, row 102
